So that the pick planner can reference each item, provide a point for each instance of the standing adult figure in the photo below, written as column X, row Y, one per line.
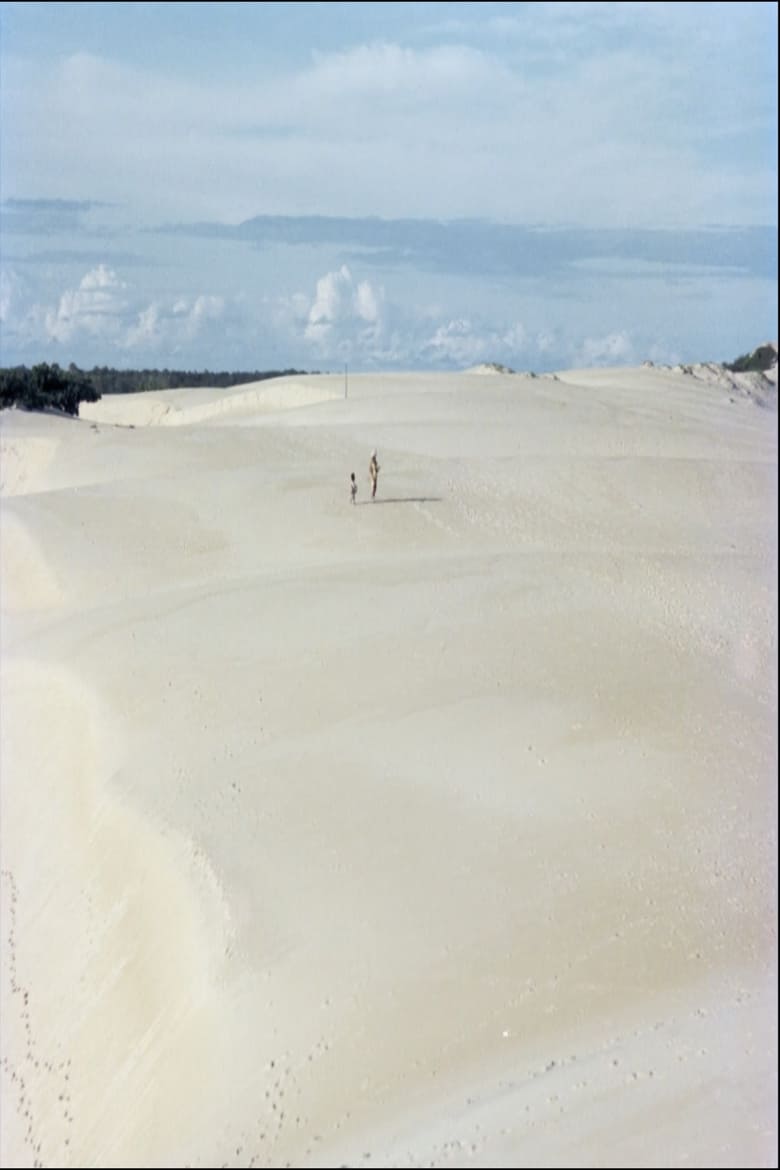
column 373, row 473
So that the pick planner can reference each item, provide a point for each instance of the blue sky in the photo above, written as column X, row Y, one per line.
column 394, row 186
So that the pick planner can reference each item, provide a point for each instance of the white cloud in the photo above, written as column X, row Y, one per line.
column 546, row 341
column 97, row 307
column 147, row 330
column 353, row 320
column 374, row 72
column 462, row 342
column 8, row 282
column 104, row 317
column 368, row 302
column 344, row 314
column 601, row 126
column 207, row 308
column 332, row 299
column 612, row 349
column 456, row 341
column 187, row 323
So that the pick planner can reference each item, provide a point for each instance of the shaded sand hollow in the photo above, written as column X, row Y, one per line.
column 438, row 831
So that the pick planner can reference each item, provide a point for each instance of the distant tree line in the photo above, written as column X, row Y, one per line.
column 48, row 387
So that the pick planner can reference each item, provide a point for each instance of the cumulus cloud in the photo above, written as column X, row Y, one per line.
column 97, row 307
column 8, row 281
column 463, row 342
column 105, row 318
column 611, row 350
column 147, row 329
column 352, row 319
column 456, row 340
column 184, row 326
column 344, row 313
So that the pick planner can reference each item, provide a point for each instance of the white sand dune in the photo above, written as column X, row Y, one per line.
column 185, row 407
column 435, row 831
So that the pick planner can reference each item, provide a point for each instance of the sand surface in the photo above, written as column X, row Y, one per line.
column 435, row 831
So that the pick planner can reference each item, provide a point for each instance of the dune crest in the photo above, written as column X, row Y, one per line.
column 186, row 407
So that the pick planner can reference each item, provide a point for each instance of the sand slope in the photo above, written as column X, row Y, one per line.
column 434, row 831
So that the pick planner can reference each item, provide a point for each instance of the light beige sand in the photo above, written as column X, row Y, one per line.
column 439, row 831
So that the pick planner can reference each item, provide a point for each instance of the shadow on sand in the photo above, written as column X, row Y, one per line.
column 402, row 500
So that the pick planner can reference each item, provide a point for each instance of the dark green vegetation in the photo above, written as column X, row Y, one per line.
column 759, row 360
column 48, row 387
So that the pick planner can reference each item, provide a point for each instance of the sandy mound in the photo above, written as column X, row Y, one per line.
column 759, row 387
column 24, row 459
column 186, row 407
column 490, row 368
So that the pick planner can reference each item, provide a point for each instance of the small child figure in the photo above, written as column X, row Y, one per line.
column 353, row 487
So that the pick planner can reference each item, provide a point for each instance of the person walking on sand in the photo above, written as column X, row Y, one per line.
column 353, row 487
column 373, row 471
